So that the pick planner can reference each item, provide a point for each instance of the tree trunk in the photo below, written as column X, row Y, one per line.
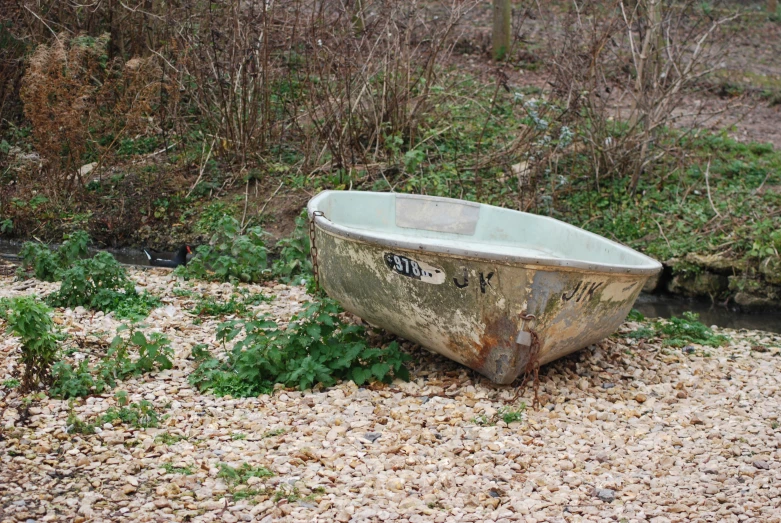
column 502, row 29
column 772, row 6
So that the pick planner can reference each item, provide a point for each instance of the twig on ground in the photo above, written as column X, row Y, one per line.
column 246, row 200
column 203, row 165
column 707, row 186
column 260, row 213
column 662, row 232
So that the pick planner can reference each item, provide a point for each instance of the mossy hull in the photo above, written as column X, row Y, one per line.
column 470, row 310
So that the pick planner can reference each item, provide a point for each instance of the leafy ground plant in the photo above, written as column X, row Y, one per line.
column 139, row 415
column 316, row 347
column 93, row 283
column 47, row 265
column 154, row 353
column 171, row 469
column 237, row 477
column 28, row 318
column 241, row 474
column 294, row 263
column 238, row 304
column 70, row 382
column 11, row 383
column 505, row 414
column 232, row 255
column 98, row 283
column 679, row 332
column 166, row 438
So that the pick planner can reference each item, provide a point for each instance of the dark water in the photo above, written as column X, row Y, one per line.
column 9, row 249
column 651, row 305
column 664, row 306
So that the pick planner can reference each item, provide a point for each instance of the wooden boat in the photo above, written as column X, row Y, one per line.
column 497, row 290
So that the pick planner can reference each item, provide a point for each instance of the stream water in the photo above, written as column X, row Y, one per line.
column 650, row 305
column 666, row 306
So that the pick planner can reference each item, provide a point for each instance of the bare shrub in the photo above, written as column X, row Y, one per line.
column 370, row 91
column 12, row 51
column 230, row 60
column 622, row 70
column 134, row 27
column 336, row 78
column 135, row 99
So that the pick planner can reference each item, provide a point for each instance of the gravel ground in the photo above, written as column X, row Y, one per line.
column 628, row 431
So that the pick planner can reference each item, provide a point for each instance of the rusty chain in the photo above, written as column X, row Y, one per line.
column 313, row 247
column 532, row 369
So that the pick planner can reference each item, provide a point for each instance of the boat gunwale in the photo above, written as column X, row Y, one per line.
column 539, row 263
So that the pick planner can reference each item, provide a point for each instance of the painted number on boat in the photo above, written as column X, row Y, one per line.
column 414, row 269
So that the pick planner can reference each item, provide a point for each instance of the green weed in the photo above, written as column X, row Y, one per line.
column 48, row 265
column 98, row 283
column 183, row 293
column 291, row 494
column 137, row 415
column 240, row 475
column 132, row 305
column 29, row 319
column 482, row 420
column 11, row 384
column 238, row 304
column 210, row 217
column 509, row 416
column 166, row 438
column 679, row 332
column 274, row 432
column 94, row 283
column 506, row 414
column 230, row 256
column 153, row 353
column 247, row 493
column 73, row 383
column 294, row 263
column 642, row 333
column 171, row 469
column 635, row 315
column 316, row 347
column 211, row 307
column 75, row 425
column 134, row 146
column 122, row 398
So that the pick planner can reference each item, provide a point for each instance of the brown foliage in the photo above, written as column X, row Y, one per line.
column 70, row 90
column 58, row 92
